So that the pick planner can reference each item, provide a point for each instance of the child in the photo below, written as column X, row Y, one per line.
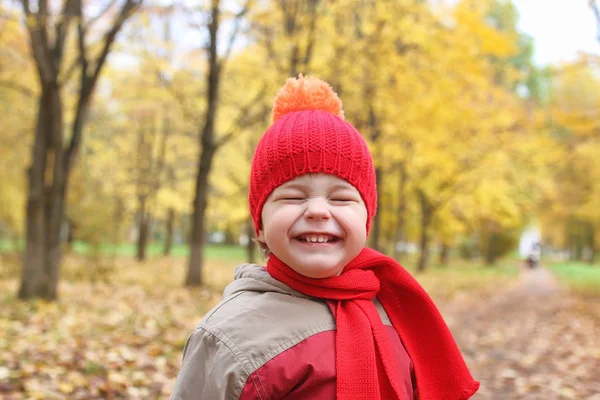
column 327, row 318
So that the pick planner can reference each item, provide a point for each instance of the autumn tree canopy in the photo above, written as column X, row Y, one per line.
column 138, row 121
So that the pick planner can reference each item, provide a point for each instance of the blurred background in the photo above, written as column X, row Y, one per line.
column 126, row 133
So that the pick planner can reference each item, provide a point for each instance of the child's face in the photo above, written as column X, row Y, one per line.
column 311, row 207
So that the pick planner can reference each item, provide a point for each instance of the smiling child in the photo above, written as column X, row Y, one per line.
column 327, row 317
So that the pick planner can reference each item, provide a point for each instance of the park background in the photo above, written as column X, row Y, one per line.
column 126, row 136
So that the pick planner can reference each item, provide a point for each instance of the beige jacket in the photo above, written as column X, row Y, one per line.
column 264, row 340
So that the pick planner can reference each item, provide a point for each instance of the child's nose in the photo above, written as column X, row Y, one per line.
column 317, row 209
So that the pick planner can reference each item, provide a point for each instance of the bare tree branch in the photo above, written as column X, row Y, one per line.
column 36, row 26
column 241, row 185
column 272, row 54
column 243, row 118
column 43, row 9
column 310, row 36
column 61, row 28
column 93, row 20
column 26, row 7
column 236, row 27
column 83, row 58
column 88, row 82
column 110, row 36
column 72, row 68
column 177, row 95
column 10, row 84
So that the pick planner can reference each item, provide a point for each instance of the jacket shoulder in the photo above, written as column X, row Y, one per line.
column 209, row 370
column 257, row 326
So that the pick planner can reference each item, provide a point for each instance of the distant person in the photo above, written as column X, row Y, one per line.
column 326, row 317
column 535, row 255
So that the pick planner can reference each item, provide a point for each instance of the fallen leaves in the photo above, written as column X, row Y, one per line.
column 533, row 341
column 124, row 340
column 98, row 341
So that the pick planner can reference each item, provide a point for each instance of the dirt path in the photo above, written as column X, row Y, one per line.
column 530, row 341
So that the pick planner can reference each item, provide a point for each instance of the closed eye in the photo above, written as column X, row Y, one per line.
column 343, row 197
column 343, row 200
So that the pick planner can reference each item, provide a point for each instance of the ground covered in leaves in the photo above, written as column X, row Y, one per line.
column 534, row 340
column 118, row 332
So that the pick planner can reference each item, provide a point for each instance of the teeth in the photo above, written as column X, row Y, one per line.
column 317, row 238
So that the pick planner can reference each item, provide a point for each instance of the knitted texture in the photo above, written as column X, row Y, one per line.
column 309, row 136
column 306, row 94
column 365, row 362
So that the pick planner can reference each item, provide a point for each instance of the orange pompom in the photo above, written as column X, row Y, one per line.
column 299, row 94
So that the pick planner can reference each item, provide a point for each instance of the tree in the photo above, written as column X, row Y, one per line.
column 52, row 158
column 17, row 101
column 574, row 133
column 209, row 141
column 465, row 115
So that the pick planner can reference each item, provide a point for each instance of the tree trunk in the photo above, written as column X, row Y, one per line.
column 70, row 235
column 118, row 214
column 589, row 241
column 579, row 247
column 209, row 147
column 376, row 226
column 300, row 53
column 45, row 201
column 373, row 127
column 251, row 246
column 196, row 261
column 169, row 237
column 400, row 212
column 143, row 230
column 51, row 160
column 426, row 216
column 571, row 243
column 445, row 251
column 592, row 244
column 490, row 253
column 231, row 238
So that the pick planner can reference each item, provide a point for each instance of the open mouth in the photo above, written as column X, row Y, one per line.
column 314, row 238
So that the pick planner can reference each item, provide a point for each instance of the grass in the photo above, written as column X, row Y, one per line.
column 580, row 277
column 221, row 252
column 461, row 277
column 7, row 245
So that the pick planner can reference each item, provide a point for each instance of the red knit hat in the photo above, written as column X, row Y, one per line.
column 309, row 135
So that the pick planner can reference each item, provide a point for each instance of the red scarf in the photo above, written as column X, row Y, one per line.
column 364, row 356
